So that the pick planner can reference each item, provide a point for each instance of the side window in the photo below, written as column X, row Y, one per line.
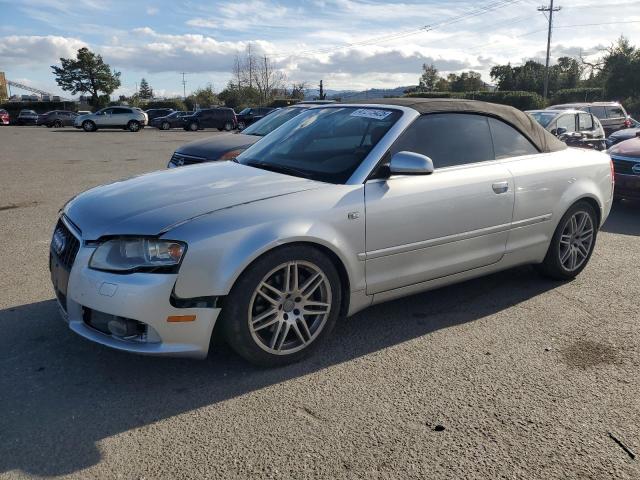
column 585, row 121
column 599, row 112
column 567, row 121
column 509, row 142
column 615, row 112
column 448, row 139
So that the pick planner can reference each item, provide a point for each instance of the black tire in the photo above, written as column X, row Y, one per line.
column 552, row 265
column 228, row 126
column 133, row 126
column 57, row 124
column 235, row 315
column 165, row 126
column 193, row 127
column 241, row 125
column 89, row 126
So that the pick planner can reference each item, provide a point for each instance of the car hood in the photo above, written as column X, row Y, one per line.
column 154, row 203
column 214, row 147
column 628, row 148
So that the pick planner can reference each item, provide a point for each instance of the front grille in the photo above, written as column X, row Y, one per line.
column 626, row 166
column 182, row 159
column 64, row 245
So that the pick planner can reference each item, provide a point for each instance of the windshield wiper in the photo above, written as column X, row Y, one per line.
column 279, row 169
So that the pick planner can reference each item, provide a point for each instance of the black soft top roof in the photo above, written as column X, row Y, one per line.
column 528, row 126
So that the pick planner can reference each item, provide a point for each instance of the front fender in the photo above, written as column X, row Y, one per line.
column 223, row 244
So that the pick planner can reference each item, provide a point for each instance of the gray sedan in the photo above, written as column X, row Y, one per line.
column 342, row 207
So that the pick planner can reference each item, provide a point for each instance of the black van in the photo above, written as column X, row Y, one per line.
column 220, row 118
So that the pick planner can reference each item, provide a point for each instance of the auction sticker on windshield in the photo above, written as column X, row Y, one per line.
column 371, row 113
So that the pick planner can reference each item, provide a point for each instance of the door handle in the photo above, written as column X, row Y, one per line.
column 500, row 187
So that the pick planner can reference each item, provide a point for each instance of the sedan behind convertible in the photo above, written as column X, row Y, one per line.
column 343, row 207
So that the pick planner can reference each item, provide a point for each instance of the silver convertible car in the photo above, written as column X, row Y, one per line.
column 342, row 207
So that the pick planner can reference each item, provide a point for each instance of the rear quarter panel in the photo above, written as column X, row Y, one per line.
column 546, row 185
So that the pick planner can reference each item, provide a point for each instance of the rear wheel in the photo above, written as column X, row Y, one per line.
column 57, row 124
column 572, row 243
column 88, row 126
column 240, row 125
column 228, row 126
column 282, row 306
column 193, row 126
column 165, row 126
column 133, row 126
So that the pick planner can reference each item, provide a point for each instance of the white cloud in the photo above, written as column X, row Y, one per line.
column 35, row 50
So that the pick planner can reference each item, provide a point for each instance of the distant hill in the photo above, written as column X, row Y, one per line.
column 346, row 95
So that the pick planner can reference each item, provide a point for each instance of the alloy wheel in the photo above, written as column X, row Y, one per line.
column 290, row 307
column 576, row 240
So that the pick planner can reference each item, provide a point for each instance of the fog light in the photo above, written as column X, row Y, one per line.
column 123, row 327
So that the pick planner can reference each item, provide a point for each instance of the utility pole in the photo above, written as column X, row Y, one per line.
column 549, row 9
column 184, row 86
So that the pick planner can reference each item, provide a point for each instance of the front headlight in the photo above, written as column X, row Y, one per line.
column 138, row 254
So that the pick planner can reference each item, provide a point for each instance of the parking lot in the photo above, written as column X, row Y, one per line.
column 508, row 376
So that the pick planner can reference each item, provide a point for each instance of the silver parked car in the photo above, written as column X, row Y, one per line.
column 126, row 118
column 342, row 207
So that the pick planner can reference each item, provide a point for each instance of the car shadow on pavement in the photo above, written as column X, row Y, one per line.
column 60, row 395
column 624, row 218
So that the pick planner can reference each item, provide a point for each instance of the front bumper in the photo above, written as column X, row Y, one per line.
column 143, row 297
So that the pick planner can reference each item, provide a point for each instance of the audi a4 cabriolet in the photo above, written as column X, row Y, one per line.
column 342, row 207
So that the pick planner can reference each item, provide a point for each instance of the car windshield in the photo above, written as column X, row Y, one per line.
column 245, row 111
column 174, row 114
column 543, row 118
column 325, row 144
column 272, row 121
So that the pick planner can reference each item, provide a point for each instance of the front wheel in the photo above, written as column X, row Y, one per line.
column 241, row 125
column 88, row 126
column 133, row 126
column 193, row 126
column 228, row 126
column 57, row 124
column 572, row 243
column 282, row 306
column 165, row 126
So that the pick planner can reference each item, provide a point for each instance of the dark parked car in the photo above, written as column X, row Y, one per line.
column 626, row 164
column 226, row 147
column 622, row 135
column 158, row 112
column 173, row 120
column 220, row 118
column 57, row 118
column 4, row 117
column 612, row 115
column 251, row 115
column 576, row 128
column 27, row 117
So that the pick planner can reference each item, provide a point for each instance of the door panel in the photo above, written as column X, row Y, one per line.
column 423, row 227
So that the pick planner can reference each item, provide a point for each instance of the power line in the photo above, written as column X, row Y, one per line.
column 491, row 6
column 549, row 9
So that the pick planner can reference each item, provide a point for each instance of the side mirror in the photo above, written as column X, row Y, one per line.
column 410, row 163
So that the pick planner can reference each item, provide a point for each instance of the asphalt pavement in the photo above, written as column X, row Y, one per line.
column 509, row 376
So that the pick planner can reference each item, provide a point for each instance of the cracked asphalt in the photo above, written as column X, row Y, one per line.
column 527, row 376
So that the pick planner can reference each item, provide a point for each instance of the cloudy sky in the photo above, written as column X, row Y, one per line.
column 350, row 44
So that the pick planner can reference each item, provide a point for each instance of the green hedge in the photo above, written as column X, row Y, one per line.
column 175, row 103
column 517, row 99
column 572, row 95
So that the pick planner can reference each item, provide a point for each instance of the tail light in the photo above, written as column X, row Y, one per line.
column 627, row 123
column 613, row 172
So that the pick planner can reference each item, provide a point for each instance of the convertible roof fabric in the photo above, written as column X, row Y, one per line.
column 527, row 125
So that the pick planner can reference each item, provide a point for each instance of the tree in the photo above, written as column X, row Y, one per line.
column 87, row 74
column 429, row 78
column 298, row 90
column 202, row 97
column 267, row 80
column 145, row 91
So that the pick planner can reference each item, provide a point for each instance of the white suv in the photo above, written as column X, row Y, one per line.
column 127, row 118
